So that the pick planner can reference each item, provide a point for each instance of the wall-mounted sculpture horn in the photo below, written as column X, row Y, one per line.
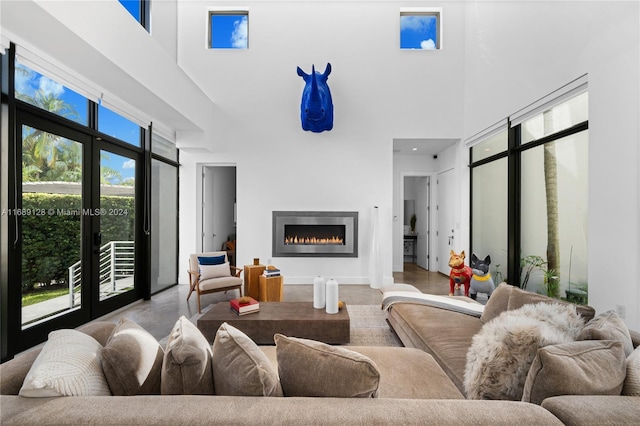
column 316, row 108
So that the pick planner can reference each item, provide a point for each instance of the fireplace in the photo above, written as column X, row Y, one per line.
column 315, row 234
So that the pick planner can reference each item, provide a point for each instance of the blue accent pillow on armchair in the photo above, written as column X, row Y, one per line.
column 214, row 260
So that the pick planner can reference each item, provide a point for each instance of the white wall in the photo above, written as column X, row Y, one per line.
column 518, row 52
column 379, row 93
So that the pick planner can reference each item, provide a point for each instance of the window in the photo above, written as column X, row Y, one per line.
column 49, row 95
column 117, row 126
column 139, row 9
column 529, row 197
column 421, row 29
column 229, row 30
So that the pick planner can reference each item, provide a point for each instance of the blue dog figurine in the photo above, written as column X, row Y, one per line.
column 481, row 281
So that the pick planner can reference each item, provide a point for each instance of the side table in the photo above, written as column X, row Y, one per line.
column 271, row 289
column 252, row 274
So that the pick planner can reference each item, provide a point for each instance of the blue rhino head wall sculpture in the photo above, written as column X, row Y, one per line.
column 316, row 108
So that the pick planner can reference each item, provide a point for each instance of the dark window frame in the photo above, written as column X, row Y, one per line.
column 514, row 172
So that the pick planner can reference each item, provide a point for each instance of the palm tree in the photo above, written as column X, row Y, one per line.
column 551, row 189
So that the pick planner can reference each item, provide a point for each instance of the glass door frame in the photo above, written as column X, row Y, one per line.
column 91, row 308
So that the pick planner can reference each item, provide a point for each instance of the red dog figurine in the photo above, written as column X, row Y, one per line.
column 460, row 273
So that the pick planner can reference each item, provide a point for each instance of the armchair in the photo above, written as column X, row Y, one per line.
column 211, row 275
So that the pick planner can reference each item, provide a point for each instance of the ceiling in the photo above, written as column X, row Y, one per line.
column 422, row 146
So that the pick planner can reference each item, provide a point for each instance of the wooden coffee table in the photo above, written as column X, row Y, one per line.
column 293, row 319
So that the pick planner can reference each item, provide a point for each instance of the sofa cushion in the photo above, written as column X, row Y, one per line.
column 444, row 334
column 68, row 365
column 502, row 352
column 132, row 360
column 507, row 297
column 632, row 381
column 240, row 367
column 186, row 368
column 608, row 326
column 576, row 368
column 310, row 368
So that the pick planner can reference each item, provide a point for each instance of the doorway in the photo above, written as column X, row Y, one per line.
column 75, row 226
column 417, row 220
column 218, row 211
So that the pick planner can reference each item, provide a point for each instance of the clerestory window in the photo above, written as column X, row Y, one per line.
column 228, row 30
column 421, row 29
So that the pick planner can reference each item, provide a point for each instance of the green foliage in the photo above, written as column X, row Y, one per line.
column 51, row 234
column 551, row 283
column 527, row 265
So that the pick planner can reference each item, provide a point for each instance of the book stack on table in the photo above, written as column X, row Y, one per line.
column 244, row 305
column 271, row 271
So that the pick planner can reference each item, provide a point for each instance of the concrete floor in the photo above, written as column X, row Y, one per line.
column 159, row 314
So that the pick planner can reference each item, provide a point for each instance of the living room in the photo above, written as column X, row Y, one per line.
column 495, row 59
column 240, row 108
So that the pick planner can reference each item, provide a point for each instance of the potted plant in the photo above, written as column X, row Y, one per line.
column 412, row 221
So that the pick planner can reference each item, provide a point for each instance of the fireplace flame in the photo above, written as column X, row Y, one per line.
column 313, row 240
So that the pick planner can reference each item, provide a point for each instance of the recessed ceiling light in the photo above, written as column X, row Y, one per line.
column 414, row 149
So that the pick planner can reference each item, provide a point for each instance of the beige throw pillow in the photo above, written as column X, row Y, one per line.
column 310, row 368
column 632, row 381
column 132, row 360
column 508, row 298
column 187, row 369
column 576, row 368
column 240, row 367
column 68, row 365
column 608, row 326
column 214, row 271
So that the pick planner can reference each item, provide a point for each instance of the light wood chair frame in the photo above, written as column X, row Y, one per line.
column 194, row 279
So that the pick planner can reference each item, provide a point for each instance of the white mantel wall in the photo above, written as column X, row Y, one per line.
column 379, row 92
column 518, row 52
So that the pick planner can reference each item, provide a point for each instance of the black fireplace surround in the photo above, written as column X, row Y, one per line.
column 315, row 234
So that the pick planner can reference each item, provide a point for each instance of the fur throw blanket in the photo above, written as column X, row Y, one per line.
column 502, row 351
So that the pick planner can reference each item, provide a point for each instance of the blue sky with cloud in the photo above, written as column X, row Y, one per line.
column 229, row 31
column 28, row 82
column 418, row 32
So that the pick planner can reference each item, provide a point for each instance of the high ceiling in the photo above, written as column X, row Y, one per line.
column 421, row 146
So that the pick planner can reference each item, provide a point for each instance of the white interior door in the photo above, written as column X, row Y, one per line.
column 218, row 200
column 422, row 224
column 446, row 230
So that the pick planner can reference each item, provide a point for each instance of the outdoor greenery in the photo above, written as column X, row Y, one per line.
column 51, row 237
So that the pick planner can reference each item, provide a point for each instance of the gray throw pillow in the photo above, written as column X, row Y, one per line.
column 240, row 367
column 608, row 326
column 310, row 368
column 132, row 360
column 576, row 368
column 187, row 369
column 632, row 381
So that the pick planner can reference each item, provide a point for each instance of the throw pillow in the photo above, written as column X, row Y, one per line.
column 187, row 369
column 211, row 260
column 576, row 368
column 502, row 351
column 507, row 297
column 497, row 303
column 608, row 326
column 132, row 360
column 310, row 368
column 240, row 367
column 68, row 365
column 632, row 381
column 214, row 271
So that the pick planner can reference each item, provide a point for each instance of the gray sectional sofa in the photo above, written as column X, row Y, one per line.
column 421, row 384
column 448, row 336
column 413, row 389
